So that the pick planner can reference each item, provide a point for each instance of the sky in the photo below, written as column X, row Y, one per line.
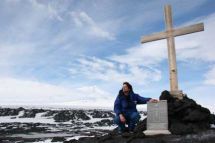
column 78, row 52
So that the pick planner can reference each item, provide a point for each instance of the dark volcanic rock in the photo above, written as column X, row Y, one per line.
column 30, row 113
column 212, row 119
column 202, row 137
column 186, row 116
column 62, row 116
column 104, row 122
column 50, row 113
column 102, row 114
column 58, row 139
column 10, row 111
column 141, row 126
column 67, row 115
column 16, row 128
column 80, row 115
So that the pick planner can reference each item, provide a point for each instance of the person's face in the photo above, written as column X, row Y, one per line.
column 125, row 88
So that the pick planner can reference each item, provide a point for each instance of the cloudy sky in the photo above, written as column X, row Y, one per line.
column 78, row 53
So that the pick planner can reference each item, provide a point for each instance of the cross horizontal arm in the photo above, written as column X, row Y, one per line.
column 189, row 29
column 177, row 32
column 154, row 37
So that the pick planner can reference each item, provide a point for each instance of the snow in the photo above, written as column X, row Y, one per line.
column 77, row 137
column 105, row 127
column 39, row 115
column 57, row 106
column 56, row 128
column 93, row 120
column 46, row 141
column 41, row 135
column 7, row 119
column 38, row 119
column 68, row 139
column 21, row 113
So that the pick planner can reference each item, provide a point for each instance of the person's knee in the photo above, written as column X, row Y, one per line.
column 135, row 116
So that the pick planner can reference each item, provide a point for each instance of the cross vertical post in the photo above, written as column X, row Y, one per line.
column 171, row 49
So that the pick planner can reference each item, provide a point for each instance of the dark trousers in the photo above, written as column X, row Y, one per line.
column 131, row 119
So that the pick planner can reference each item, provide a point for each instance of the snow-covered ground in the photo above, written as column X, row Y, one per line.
column 45, row 125
column 38, row 119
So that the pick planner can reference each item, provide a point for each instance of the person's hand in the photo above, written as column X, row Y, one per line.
column 153, row 100
column 122, row 118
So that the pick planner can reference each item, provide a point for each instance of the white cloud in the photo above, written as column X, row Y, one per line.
column 203, row 95
column 140, row 64
column 53, row 13
column 198, row 46
column 19, row 91
column 47, row 9
column 107, row 70
column 146, row 54
column 210, row 76
column 12, row 54
column 84, row 21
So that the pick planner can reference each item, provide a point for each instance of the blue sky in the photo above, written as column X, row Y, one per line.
column 78, row 53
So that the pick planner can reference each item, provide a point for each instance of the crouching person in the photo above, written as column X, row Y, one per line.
column 125, row 108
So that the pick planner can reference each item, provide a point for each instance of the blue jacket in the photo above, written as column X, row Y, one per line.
column 125, row 104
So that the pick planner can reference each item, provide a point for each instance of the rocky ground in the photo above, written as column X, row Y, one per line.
column 188, row 122
column 46, row 125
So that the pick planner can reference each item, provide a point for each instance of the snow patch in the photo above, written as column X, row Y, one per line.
column 77, row 137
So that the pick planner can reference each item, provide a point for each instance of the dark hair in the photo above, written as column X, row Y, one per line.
column 121, row 91
column 129, row 85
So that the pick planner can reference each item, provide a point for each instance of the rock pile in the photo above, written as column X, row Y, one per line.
column 186, row 116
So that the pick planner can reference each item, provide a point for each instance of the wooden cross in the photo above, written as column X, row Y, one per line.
column 169, row 34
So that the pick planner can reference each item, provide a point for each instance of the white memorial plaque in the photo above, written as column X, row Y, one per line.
column 157, row 118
